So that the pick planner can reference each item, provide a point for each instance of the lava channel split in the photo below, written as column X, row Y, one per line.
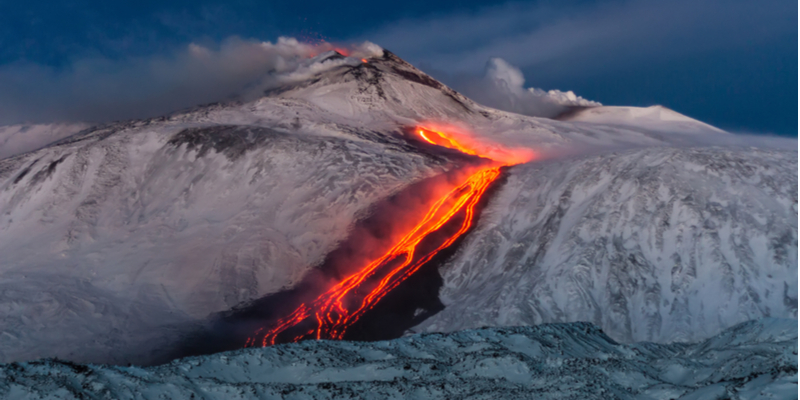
column 331, row 314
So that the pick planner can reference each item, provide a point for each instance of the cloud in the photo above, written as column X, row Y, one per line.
column 99, row 89
column 18, row 139
column 502, row 87
column 585, row 38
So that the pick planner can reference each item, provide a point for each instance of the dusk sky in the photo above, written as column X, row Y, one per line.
column 730, row 63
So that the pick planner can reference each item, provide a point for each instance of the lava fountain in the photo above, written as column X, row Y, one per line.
column 330, row 314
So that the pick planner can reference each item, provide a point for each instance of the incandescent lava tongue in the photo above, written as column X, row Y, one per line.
column 334, row 311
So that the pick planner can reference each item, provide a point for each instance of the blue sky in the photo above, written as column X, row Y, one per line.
column 731, row 63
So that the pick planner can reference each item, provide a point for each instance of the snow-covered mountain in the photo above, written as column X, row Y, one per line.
column 117, row 241
column 657, row 118
column 755, row 360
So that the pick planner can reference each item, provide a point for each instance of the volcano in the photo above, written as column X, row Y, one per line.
column 123, row 240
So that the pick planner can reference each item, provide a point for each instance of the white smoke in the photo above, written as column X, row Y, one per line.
column 99, row 90
column 310, row 67
column 367, row 50
column 503, row 87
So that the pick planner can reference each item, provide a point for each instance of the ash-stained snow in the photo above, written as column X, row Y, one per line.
column 656, row 244
column 755, row 360
column 117, row 240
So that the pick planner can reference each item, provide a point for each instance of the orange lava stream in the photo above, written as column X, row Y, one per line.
column 444, row 140
column 334, row 311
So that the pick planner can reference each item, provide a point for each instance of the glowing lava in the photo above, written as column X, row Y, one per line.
column 441, row 139
column 333, row 312
column 440, row 136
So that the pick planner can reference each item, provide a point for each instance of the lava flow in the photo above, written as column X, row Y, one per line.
column 333, row 312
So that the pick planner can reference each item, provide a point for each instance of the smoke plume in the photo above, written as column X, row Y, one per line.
column 502, row 87
column 101, row 90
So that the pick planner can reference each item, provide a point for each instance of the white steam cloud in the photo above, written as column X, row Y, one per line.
column 98, row 89
column 502, row 87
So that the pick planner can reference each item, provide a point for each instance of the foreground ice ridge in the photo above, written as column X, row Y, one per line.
column 756, row 359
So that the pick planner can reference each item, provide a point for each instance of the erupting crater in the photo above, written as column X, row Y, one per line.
column 329, row 315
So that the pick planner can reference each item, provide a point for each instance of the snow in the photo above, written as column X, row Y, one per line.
column 757, row 359
column 657, row 118
column 656, row 244
column 134, row 235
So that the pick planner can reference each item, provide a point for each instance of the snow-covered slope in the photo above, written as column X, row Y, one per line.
column 117, row 240
column 755, row 360
column 99, row 233
column 654, row 118
column 656, row 244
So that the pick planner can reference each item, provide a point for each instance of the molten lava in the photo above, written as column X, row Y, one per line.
column 441, row 139
column 333, row 312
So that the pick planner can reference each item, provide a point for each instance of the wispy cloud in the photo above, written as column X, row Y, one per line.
column 102, row 89
column 570, row 39
column 582, row 38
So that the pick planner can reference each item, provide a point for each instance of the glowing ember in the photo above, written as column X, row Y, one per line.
column 333, row 312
